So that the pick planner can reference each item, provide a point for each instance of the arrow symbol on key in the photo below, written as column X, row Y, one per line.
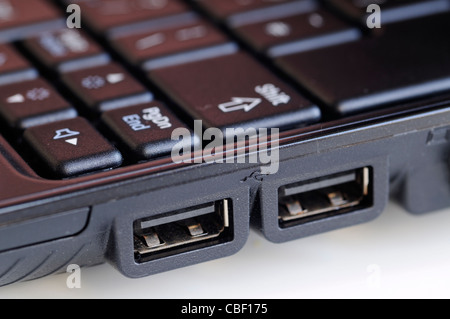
column 73, row 141
column 240, row 103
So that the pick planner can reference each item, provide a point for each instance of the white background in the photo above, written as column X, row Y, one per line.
column 396, row 256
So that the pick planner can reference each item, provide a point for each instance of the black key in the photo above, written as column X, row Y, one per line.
column 66, row 50
column 72, row 147
column 409, row 60
column 175, row 45
column 20, row 19
column 239, row 12
column 297, row 33
column 107, row 87
column 104, row 15
column 391, row 10
column 33, row 103
column 13, row 67
column 225, row 9
column 146, row 129
column 235, row 91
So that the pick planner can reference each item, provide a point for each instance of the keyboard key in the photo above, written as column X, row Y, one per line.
column 230, row 7
column 106, row 87
column 225, row 9
column 103, row 15
column 66, row 50
column 72, row 147
column 297, row 33
column 146, row 129
column 403, row 63
column 19, row 19
column 235, row 91
column 239, row 12
column 13, row 67
column 32, row 103
column 392, row 10
column 173, row 45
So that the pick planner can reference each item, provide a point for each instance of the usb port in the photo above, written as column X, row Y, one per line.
column 324, row 197
column 184, row 230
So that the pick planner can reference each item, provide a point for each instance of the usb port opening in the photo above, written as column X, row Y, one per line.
column 184, row 230
column 324, row 197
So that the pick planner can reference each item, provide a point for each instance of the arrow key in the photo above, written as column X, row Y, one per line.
column 72, row 147
column 31, row 103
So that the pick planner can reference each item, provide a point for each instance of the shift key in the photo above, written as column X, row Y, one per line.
column 235, row 91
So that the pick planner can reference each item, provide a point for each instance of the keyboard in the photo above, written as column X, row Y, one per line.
column 129, row 137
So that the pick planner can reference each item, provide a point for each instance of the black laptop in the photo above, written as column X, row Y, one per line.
column 154, row 134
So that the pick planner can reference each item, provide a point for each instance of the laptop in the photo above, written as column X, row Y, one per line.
column 154, row 134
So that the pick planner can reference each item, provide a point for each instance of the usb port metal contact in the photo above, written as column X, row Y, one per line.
column 326, row 196
column 182, row 231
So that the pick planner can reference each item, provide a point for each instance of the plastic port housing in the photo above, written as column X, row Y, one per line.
column 181, row 231
column 325, row 197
